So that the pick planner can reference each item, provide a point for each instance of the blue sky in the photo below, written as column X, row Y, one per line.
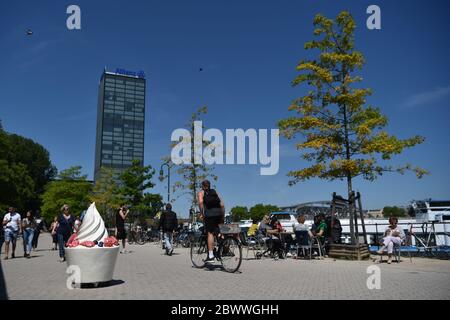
column 248, row 51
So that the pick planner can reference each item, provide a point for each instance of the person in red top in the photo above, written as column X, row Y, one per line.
column 279, row 227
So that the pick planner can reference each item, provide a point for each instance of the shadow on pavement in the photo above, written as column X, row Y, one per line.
column 108, row 284
column 213, row 267
column 173, row 254
column 3, row 293
column 36, row 256
column 127, row 252
column 31, row 257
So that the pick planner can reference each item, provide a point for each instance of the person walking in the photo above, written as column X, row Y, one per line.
column 12, row 227
column 212, row 210
column 28, row 227
column 2, row 238
column 64, row 228
column 167, row 224
column 121, row 233
column 53, row 233
column 39, row 228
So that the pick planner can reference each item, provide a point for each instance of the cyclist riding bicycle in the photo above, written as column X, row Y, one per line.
column 212, row 210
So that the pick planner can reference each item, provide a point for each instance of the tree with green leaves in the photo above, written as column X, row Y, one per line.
column 70, row 187
column 192, row 174
column 25, row 169
column 342, row 135
column 239, row 213
column 16, row 184
column 106, row 195
column 37, row 161
column 393, row 212
column 410, row 211
column 259, row 210
column 135, row 180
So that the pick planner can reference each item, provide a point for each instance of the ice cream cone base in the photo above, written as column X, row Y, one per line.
column 96, row 264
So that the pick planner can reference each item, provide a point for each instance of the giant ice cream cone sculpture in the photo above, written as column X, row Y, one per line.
column 91, row 250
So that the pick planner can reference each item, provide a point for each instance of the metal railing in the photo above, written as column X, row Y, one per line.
column 421, row 237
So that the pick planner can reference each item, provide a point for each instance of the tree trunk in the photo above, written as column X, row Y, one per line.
column 351, row 207
column 347, row 156
column 193, row 172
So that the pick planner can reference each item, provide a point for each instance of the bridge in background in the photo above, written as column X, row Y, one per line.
column 310, row 209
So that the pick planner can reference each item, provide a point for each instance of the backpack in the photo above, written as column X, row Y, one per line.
column 211, row 199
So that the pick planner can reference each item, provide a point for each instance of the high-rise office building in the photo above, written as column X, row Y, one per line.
column 120, row 120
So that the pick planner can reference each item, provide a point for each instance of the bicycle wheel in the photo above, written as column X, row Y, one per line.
column 130, row 238
column 230, row 254
column 185, row 241
column 140, row 239
column 177, row 242
column 198, row 252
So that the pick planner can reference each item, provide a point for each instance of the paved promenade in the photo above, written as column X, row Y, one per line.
column 146, row 273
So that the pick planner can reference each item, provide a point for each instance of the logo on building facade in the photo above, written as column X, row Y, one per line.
column 139, row 74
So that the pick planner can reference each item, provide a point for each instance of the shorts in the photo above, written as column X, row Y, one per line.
column 121, row 234
column 10, row 235
column 212, row 224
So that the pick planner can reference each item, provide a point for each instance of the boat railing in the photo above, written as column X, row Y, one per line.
column 421, row 235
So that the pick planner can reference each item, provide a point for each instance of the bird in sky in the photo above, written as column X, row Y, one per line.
column 200, row 69
column 29, row 32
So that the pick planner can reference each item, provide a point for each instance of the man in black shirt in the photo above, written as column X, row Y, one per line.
column 212, row 210
column 167, row 223
column 39, row 227
column 120, row 226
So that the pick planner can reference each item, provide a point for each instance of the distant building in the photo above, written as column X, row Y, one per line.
column 375, row 213
column 120, row 120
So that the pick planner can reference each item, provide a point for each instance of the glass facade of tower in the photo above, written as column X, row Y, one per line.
column 120, row 122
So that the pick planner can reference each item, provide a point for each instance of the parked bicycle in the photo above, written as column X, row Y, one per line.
column 181, row 238
column 138, row 235
column 227, row 248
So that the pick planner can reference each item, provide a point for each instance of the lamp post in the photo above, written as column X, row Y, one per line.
column 161, row 178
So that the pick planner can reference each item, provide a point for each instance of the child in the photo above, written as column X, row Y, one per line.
column 253, row 229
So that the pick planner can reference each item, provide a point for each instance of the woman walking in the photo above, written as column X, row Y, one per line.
column 39, row 227
column 53, row 228
column 28, row 227
column 64, row 225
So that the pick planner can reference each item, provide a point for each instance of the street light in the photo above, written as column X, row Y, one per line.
column 161, row 178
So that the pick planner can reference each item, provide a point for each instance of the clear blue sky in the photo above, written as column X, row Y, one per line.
column 248, row 51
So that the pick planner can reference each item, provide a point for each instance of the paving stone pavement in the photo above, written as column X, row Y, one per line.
column 146, row 273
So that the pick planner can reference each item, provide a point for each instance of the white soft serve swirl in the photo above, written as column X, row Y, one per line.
column 92, row 228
